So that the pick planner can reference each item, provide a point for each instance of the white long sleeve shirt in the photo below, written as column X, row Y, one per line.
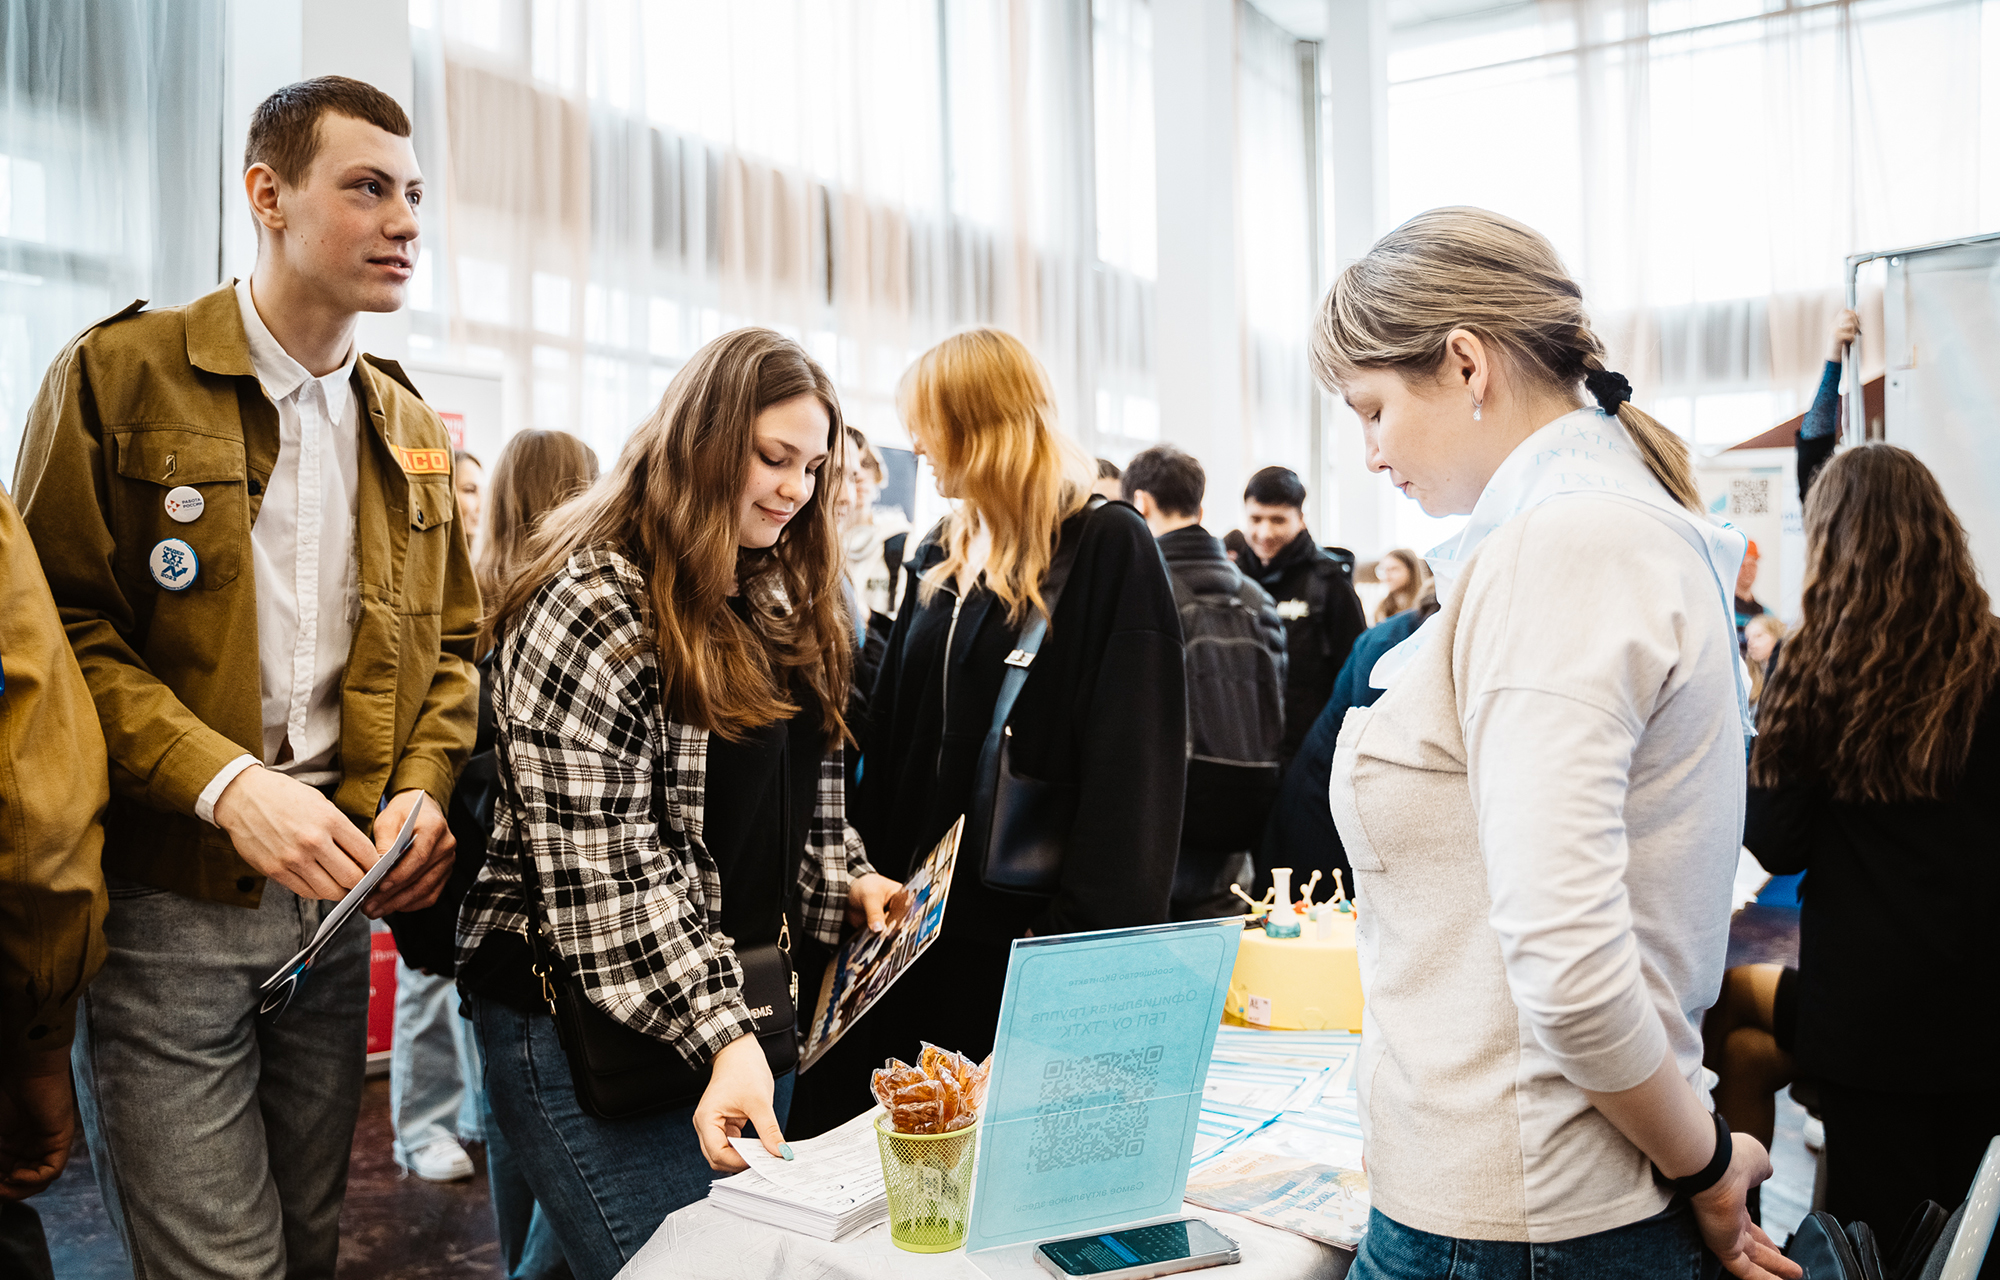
column 304, row 556
column 1543, row 814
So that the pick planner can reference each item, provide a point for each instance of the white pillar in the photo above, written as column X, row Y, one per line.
column 273, row 43
column 1198, row 298
column 1356, row 52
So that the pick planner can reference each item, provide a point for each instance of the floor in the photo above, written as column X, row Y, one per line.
column 396, row 1227
column 393, row 1226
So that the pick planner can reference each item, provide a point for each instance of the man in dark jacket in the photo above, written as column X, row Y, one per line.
column 1235, row 665
column 1322, row 614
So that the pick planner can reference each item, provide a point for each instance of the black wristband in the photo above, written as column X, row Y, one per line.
column 1718, row 1164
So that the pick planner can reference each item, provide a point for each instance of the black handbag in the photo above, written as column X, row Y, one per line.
column 620, row 1072
column 1019, row 825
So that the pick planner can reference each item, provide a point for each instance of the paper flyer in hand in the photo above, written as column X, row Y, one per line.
column 278, row 987
column 869, row 963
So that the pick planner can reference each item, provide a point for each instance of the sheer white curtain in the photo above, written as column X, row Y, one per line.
column 110, row 160
column 1705, row 165
column 623, row 181
column 1274, row 94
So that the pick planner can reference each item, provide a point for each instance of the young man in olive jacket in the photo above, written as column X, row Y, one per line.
column 52, row 796
column 248, row 532
column 1322, row 615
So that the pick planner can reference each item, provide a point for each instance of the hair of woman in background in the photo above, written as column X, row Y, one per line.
column 1896, row 649
column 670, row 690
column 1408, row 585
column 1462, row 342
column 673, row 504
column 537, row 472
column 1876, row 769
column 1761, row 637
column 989, row 416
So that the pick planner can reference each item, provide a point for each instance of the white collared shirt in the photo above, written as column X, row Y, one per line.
column 305, row 558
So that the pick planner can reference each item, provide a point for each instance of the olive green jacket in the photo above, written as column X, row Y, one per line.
column 147, row 400
column 52, row 797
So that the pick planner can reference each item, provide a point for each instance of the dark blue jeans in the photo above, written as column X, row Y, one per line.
column 1666, row 1246
column 606, row 1185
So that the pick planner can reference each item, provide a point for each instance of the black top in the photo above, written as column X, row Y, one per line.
column 1301, row 834
column 741, row 818
column 1322, row 617
column 1105, row 708
column 1896, row 940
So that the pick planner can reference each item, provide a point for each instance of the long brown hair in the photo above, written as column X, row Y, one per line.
column 537, row 472
column 1396, row 306
column 673, row 505
column 982, row 401
column 1877, row 692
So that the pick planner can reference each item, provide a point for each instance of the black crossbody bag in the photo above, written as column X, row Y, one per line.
column 620, row 1072
column 1019, row 826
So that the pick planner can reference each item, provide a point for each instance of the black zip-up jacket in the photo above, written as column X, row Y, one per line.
column 1322, row 618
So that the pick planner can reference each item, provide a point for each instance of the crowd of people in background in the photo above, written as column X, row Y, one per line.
column 668, row 734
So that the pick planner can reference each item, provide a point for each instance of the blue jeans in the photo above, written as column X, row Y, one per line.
column 606, row 1185
column 431, row 1061
column 1661, row 1247
column 528, row 1246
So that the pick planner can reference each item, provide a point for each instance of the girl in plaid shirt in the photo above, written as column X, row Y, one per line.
column 677, row 631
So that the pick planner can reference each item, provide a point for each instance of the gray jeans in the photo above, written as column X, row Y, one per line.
column 220, row 1138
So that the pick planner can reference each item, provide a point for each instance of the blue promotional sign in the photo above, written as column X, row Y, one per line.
column 1103, row 1044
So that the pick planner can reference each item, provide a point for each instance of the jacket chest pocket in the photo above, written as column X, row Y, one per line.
column 1400, row 797
column 151, row 501
column 433, row 506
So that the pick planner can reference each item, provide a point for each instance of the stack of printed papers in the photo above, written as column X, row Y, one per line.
column 830, row 1189
column 1279, row 1138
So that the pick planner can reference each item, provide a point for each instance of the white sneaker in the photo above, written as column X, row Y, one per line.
column 440, row 1161
column 1815, row 1134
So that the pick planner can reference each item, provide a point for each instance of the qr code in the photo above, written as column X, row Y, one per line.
column 1094, row 1108
column 1750, row 497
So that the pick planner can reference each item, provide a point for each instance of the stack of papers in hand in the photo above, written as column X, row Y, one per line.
column 831, row 1188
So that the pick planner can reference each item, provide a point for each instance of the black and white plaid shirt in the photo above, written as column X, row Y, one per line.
column 606, row 790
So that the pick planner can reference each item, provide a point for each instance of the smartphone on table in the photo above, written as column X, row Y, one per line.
column 1185, row 1244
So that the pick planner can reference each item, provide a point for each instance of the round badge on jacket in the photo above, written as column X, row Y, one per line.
column 174, row 564
column 185, row 503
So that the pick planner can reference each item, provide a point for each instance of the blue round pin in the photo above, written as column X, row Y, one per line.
column 174, row 564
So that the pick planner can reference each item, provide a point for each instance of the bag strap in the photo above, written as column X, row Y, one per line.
column 1030, row 641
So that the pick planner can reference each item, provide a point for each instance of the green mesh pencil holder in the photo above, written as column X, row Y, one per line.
column 929, row 1180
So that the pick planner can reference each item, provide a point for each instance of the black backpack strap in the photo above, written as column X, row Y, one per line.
column 1030, row 641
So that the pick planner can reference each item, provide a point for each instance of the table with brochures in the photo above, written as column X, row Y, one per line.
column 1276, row 1167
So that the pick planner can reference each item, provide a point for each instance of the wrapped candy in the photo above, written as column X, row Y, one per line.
column 941, row 1094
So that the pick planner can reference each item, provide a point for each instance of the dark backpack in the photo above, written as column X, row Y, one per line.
column 1235, row 677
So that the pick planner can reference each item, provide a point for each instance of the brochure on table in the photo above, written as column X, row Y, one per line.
column 1099, row 1061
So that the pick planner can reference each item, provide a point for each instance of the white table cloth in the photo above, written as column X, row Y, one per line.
column 704, row 1242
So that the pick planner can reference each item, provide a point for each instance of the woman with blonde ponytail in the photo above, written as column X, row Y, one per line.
column 1102, row 716
column 1542, row 810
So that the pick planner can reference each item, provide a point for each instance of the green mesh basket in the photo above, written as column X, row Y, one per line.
column 929, row 1180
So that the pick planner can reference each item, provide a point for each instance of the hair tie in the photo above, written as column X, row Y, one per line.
column 1610, row 389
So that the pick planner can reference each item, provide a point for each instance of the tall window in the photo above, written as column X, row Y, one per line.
column 110, row 158
column 624, row 181
column 1704, row 166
